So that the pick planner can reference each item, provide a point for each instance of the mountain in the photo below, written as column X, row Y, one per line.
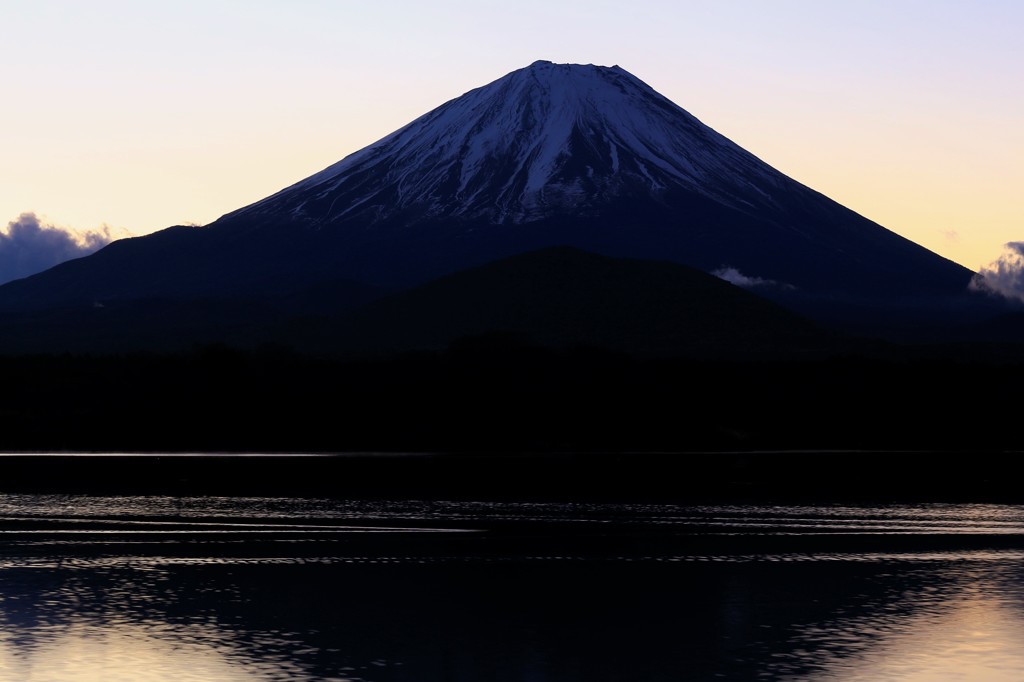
column 562, row 297
column 551, row 154
column 592, row 157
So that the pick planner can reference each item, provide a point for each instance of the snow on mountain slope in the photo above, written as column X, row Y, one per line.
column 543, row 139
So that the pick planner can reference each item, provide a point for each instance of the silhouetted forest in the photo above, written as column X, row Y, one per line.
column 496, row 393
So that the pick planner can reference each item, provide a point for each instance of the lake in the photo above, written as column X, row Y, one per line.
column 260, row 588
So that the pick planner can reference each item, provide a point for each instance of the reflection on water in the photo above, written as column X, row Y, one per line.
column 111, row 589
column 949, row 621
column 135, row 653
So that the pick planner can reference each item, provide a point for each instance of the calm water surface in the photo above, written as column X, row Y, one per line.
column 267, row 589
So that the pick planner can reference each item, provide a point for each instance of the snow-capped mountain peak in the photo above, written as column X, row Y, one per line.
column 540, row 140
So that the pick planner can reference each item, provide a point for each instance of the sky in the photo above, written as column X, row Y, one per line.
column 123, row 117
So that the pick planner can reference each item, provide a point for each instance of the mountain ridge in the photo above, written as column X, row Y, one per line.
column 561, row 297
column 552, row 154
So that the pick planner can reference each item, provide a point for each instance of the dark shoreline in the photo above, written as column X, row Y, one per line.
column 783, row 476
column 474, row 398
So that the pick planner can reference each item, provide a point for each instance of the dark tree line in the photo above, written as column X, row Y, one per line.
column 501, row 395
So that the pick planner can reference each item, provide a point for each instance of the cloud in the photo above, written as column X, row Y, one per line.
column 734, row 276
column 1004, row 277
column 28, row 246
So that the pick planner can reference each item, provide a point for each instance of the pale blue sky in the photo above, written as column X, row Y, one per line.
column 141, row 115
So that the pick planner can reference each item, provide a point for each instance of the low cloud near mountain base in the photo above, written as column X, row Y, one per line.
column 734, row 276
column 28, row 246
column 1004, row 276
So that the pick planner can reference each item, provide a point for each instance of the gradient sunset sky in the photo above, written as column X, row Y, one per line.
column 142, row 115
